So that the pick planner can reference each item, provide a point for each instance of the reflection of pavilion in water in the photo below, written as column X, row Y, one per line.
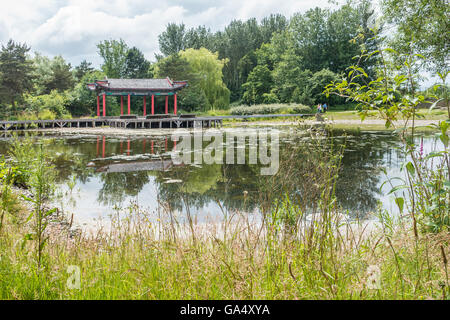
column 162, row 164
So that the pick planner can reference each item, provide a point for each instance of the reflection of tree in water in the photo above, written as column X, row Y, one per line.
column 298, row 175
column 357, row 185
column 118, row 185
column 302, row 173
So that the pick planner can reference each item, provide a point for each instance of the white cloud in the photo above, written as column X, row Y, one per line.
column 73, row 28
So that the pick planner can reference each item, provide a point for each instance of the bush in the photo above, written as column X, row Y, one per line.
column 10, row 174
column 270, row 109
column 48, row 106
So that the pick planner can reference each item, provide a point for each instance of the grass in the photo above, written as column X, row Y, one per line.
column 144, row 260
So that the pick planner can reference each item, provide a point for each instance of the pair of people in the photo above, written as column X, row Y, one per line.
column 322, row 108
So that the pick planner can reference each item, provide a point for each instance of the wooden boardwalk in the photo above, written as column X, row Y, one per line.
column 133, row 123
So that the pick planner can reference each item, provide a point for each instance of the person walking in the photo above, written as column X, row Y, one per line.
column 319, row 108
column 325, row 107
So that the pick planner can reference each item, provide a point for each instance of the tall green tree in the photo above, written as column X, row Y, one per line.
column 178, row 68
column 172, row 40
column 114, row 54
column 136, row 66
column 17, row 72
column 258, row 83
column 208, row 68
column 83, row 68
column 421, row 27
column 197, row 38
column 62, row 77
column 52, row 74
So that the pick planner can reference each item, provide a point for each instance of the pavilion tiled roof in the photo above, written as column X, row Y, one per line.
column 138, row 84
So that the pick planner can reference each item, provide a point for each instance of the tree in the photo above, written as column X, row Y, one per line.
column 172, row 40
column 178, row 68
column 16, row 70
column 82, row 69
column 84, row 101
column 258, row 83
column 274, row 23
column 424, row 25
column 197, row 38
column 136, row 66
column 208, row 68
column 114, row 54
column 54, row 74
column 62, row 77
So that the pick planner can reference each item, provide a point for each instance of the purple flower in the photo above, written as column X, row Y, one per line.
column 421, row 147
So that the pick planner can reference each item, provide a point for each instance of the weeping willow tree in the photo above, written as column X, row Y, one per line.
column 208, row 68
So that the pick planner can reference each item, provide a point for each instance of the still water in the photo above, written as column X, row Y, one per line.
column 99, row 174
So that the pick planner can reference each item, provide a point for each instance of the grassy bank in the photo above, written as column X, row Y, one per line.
column 142, row 260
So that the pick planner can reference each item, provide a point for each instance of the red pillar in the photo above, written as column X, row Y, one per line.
column 145, row 107
column 175, row 104
column 98, row 143
column 98, row 106
column 103, row 147
column 153, row 104
column 167, row 104
column 129, row 104
column 121, row 105
column 104, row 105
column 128, row 147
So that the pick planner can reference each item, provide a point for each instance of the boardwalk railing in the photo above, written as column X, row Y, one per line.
column 133, row 123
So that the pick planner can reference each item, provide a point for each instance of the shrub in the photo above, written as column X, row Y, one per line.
column 270, row 109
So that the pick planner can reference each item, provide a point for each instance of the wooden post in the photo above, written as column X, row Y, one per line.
column 167, row 104
column 121, row 105
column 129, row 104
column 145, row 107
column 98, row 106
column 175, row 104
column 104, row 105
column 128, row 147
column 153, row 104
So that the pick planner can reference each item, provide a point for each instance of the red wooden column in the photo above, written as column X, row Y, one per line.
column 153, row 104
column 129, row 104
column 175, row 104
column 98, row 144
column 98, row 106
column 145, row 107
column 104, row 105
column 103, row 147
column 167, row 104
column 121, row 105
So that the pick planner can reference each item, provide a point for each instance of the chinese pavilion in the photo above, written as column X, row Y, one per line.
column 137, row 87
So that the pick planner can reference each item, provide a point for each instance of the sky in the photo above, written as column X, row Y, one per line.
column 73, row 28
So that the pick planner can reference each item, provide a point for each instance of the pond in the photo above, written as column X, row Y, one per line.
column 98, row 174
